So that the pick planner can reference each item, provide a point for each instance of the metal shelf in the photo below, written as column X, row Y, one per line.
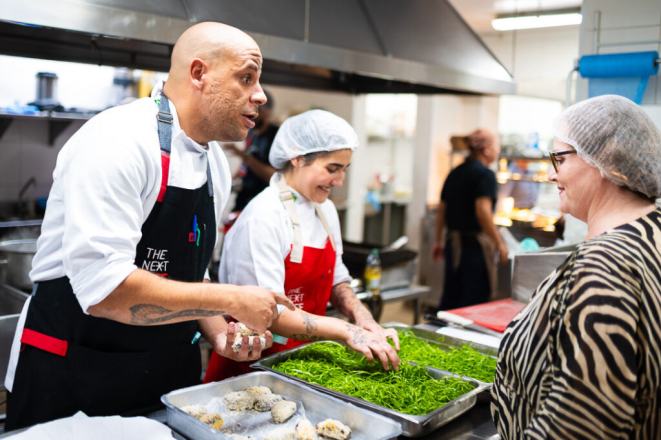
column 57, row 121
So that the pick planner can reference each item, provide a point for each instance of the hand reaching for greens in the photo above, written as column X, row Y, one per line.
column 371, row 346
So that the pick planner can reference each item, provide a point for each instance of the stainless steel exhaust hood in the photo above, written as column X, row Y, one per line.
column 357, row 46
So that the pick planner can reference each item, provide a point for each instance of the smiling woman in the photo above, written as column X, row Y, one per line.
column 588, row 341
column 288, row 240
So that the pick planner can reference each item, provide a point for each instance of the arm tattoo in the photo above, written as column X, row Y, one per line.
column 148, row 314
column 344, row 299
column 357, row 335
column 306, row 337
column 308, row 320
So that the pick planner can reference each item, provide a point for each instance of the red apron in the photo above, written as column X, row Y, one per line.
column 308, row 284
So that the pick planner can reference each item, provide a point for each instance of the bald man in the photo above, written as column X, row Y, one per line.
column 131, row 221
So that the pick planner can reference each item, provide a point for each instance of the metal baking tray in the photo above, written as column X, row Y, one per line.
column 412, row 426
column 365, row 425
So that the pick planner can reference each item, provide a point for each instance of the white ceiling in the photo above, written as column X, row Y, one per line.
column 479, row 13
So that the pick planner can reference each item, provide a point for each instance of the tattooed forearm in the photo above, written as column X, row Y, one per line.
column 344, row 299
column 148, row 314
column 309, row 321
column 305, row 337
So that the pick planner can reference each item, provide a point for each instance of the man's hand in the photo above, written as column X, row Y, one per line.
column 367, row 343
column 437, row 252
column 256, row 307
column 225, row 340
column 379, row 332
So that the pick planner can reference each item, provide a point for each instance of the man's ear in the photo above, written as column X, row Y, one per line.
column 197, row 70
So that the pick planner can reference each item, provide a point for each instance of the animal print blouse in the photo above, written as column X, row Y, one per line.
column 583, row 359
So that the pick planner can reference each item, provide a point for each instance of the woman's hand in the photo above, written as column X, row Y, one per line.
column 382, row 334
column 224, row 341
column 369, row 344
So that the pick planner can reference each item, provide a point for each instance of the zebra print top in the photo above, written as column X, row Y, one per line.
column 583, row 359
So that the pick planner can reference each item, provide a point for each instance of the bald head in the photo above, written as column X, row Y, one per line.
column 211, row 42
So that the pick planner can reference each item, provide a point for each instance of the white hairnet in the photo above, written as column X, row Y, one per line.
column 311, row 132
column 615, row 135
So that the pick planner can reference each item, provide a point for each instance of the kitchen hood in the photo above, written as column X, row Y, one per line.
column 355, row 46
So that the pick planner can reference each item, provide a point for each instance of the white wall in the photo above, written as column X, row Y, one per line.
column 539, row 59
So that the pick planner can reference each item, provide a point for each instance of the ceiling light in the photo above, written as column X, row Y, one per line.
column 536, row 21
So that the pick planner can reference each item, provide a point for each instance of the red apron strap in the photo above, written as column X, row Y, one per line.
column 165, row 166
column 44, row 342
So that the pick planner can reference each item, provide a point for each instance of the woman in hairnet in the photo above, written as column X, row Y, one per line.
column 583, row 359
column 288, row 240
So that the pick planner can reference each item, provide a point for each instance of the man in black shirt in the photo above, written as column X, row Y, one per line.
column 256, row 171
column 466, row 209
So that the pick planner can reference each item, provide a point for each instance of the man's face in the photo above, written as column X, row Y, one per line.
column 230, row 105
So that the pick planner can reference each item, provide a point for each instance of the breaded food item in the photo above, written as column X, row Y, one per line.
column 305, row 430
column 214, row 420
column 196, row 411
column 282, row 411
column 266, row 401
column 258, row 391
column 239, row 401
column 252, row 340
column 334, row 429
column 281, row 433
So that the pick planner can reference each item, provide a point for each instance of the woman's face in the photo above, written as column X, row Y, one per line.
column 315, row 180
column 577, row 182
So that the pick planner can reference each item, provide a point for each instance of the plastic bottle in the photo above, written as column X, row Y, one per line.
column 373, row 282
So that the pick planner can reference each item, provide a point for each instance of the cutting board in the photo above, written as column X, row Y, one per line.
column 495, row 315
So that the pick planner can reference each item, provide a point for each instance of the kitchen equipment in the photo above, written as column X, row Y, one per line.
column 466, row 323
column 47, row 92
column 398, row 266
column 494, row 315
column 531, row 268
column 318, row 406
column 16, row 262
column 412, row 426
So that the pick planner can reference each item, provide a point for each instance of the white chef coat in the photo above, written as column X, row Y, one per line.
column 105, row 184
column 255, row 248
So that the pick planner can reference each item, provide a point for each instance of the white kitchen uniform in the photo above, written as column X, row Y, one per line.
column 105, row 184
column 255, row 248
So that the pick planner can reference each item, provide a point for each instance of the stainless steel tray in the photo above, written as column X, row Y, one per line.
column 365, row 425
column 412, row 426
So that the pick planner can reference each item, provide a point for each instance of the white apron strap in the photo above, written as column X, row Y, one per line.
column 287, row 198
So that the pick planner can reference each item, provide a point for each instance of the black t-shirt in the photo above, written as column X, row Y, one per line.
column 259, row 147
column 464, row 185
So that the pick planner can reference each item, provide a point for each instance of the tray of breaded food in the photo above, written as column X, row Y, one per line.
column 267, row 406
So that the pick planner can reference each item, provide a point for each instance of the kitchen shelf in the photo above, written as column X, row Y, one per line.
column 57, row 121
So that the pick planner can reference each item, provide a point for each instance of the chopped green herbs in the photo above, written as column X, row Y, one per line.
column 410, row 390
column 465, row 361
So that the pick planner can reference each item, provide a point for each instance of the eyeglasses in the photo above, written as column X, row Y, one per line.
column 554, row 157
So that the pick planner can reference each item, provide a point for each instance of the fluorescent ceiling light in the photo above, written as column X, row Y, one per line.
column 535, row 21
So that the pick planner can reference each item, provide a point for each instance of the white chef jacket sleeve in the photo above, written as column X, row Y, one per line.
column 253, row 254
column 341, row 272
column 105, row 176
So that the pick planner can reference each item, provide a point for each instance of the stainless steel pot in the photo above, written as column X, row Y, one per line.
column 16, row 262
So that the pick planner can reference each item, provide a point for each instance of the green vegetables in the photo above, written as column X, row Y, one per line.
column 465, row 361
column 410, row 390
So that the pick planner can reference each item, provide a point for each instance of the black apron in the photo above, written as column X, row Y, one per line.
column 72, row 362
